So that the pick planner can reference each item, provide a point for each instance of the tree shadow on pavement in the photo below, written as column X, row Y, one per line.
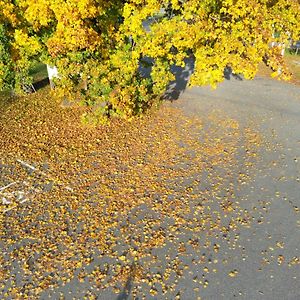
column 182, row 77
column 228, row 74
column 128, row 286
column 41, row 83
column 179, row 85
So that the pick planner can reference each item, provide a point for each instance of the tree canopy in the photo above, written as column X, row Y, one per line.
column 99, row 46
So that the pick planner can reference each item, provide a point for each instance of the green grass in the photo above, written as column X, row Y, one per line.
column 39, row 72
column 293, row 61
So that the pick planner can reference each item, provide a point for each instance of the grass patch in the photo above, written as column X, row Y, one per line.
column 39, row 72
column 293, row 63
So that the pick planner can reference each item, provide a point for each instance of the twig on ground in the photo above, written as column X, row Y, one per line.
column 44, row 174
column 26, row 164
column 7, row 186
column 23, row 163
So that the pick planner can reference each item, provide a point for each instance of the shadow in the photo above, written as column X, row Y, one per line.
column 182, row 77
column 145, row 67
column 126, row 291
column 41, row 83
column 228, row 74
column 128, row 286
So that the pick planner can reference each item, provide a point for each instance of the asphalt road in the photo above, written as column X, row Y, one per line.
column 273, row 240
column 228, row 227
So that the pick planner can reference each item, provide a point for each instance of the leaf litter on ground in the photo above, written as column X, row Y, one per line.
column 147, row 199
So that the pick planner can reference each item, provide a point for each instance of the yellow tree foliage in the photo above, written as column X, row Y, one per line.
column 100, row 46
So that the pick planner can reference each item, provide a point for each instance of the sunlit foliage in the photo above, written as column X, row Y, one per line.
column 100, row 46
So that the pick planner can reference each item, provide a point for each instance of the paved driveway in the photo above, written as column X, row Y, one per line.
column 219, row 218
column 268, row 254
